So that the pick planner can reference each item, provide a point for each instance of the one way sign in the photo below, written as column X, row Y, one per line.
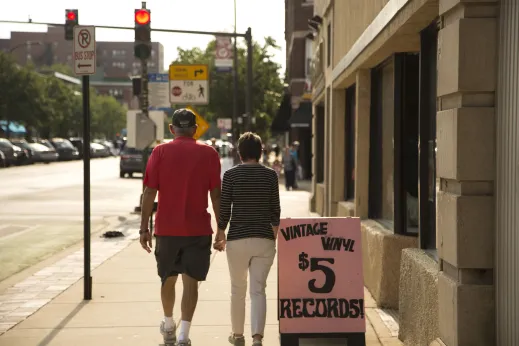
column 84, row 50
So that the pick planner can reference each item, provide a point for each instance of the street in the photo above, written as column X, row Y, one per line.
column 41, row 208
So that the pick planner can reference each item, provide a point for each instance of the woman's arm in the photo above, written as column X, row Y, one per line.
column 225, row 202
column 275, row 207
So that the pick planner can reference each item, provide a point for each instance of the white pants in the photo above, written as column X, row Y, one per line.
column 256, row 256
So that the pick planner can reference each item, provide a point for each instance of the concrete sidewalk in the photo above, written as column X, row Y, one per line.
column 126, row 310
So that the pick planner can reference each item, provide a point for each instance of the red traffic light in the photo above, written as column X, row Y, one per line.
column 142, row 17
column 71, row 15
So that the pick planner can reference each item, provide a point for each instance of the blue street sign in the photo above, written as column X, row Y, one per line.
column 158, row 78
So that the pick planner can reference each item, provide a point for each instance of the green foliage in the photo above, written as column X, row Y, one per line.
column 49, row 107
column 267, row 84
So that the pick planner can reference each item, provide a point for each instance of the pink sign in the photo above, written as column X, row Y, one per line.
column 320, row 282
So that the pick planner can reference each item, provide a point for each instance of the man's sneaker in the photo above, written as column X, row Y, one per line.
column 257, row 343
column 184, row 342
column 237, row 341
column 168, row 334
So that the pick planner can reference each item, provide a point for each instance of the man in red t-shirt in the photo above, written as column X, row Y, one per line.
column 183, row 172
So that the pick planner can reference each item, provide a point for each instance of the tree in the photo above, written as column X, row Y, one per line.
column 51, row 108
column 267, row 84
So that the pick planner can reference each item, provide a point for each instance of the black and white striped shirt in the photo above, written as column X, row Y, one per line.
column 250, row 201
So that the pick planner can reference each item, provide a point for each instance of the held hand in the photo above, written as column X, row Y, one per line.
column 146, row 241
column 219, row 241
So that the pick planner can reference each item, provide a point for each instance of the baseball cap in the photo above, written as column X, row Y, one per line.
column 183, row 118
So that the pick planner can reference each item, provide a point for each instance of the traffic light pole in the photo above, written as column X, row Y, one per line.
column 249, row 108
column 144, row 103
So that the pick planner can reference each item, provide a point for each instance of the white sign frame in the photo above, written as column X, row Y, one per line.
column 190, row 92
column 84, row 54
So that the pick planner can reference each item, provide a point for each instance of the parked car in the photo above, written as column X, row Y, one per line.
column 27, row 157
column 11, row 156
column 65, row 149
column 22, row 156
column 45, row 142
column 44, row 154
column 78, row 144
column 131, row 162
column 99, row 150
column 2, row 159
column 109, row 145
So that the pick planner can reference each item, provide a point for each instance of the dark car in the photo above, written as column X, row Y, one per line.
column 28, row 152
column 65, row 149
column 131, row 162
column 2, row 159
column 42, row 153
column 11, row 155
column 78, row 144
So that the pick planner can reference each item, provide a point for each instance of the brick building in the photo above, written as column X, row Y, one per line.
column 294, row 117
column 115, row 60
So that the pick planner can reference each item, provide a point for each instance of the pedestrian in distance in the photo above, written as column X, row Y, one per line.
column 182, row 171
column 289, row 168
column 250, row 203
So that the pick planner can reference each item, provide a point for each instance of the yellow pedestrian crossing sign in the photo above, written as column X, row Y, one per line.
column 203, row 125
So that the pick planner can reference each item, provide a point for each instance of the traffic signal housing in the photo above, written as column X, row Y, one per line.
column 142, row 45
column 71, row 20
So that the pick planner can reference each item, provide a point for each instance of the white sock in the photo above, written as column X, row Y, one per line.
column 184, row 330
column 168, row 322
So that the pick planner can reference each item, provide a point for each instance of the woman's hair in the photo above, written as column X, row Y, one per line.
column 249, row 146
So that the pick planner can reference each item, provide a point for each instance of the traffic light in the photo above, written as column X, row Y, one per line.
column 142, row 46
column 71, row 20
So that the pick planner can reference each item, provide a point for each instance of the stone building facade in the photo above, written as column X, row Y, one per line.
column 415, row 132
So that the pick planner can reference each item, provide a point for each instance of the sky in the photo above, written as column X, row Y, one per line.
column 265, row 17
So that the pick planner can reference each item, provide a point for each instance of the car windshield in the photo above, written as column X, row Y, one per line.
column 131, row 151
column 4, row 143
column 63, row 144
column 38, row 147
column 21, row 144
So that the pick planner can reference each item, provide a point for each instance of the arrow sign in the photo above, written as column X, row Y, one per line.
column 198, row 72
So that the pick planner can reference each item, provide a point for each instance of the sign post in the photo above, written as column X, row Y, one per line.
column 85, row 65
column 188, row 84
column 320, row 280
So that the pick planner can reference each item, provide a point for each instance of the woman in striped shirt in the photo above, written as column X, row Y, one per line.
column 250, row 202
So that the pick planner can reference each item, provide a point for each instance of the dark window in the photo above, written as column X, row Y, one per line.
column 320, row 144
column 393, row 179
column 427, row 129
column 349, row 142
column 329, row 45
column 381, row 155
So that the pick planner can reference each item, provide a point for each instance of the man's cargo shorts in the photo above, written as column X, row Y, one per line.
column 183, row 255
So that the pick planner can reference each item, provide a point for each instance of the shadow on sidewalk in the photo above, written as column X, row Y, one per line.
column 48, row 339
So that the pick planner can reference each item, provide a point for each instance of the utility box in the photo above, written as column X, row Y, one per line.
column 143, row 131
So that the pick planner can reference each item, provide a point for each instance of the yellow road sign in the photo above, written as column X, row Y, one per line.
column 188, row 72
column 203, row 126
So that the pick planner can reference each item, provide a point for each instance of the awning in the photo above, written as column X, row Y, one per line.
column 280, row 122
column 302, row 116
column 14, row 128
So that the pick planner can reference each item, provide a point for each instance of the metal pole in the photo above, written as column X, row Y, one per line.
column 235, row 132
column 144, row 103
column 248, row 37
column 86, row 188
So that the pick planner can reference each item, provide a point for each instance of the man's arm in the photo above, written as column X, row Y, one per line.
column 275, row 206
column 148, row 199
column 216, row 195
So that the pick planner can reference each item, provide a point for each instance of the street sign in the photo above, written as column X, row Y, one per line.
column 158, row 84
column 84, row 50
column 188, row 84
column 203, row 125
column 224, row 123
column 223, row 54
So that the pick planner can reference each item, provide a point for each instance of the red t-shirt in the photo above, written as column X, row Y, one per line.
column 183, row 171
